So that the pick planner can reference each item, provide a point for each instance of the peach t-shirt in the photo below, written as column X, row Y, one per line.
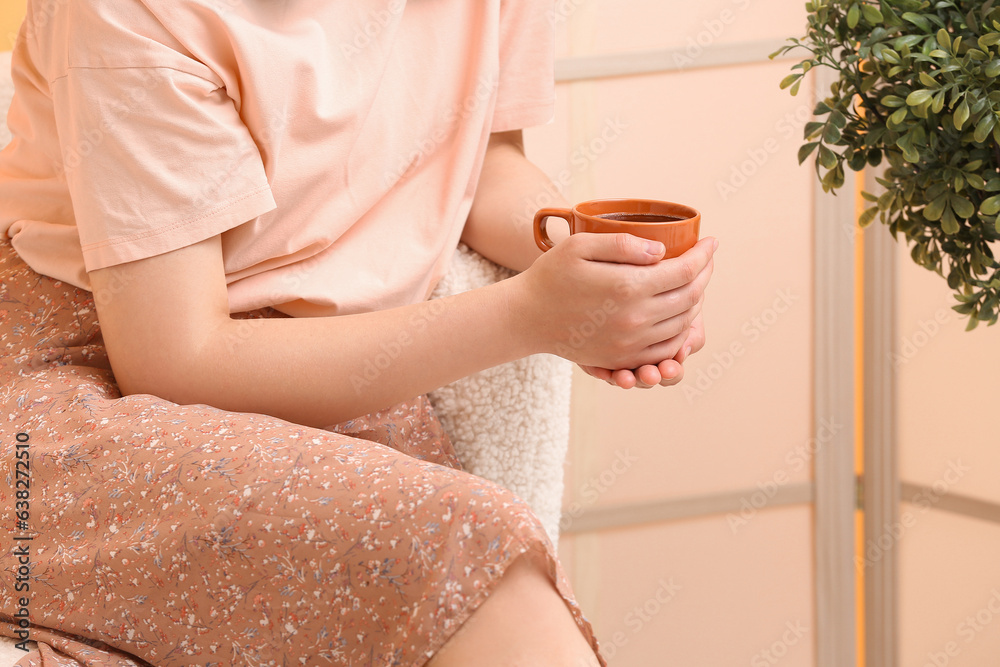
column 336, row 146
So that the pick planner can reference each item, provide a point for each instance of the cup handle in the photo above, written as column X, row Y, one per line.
column 541, row 218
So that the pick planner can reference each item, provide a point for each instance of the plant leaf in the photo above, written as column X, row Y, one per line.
column 917, row 20
column 963, row 207
column 943, row 38
column 976, row 181
column 990, row 206
column 827, row 158
column 853, row 16
column 812, row 128
column 984, row 127
column 918, row 97
column 988, row 40
column 790, row 79
column 899, row 116
column 961, row 115
column 949, row 224
column 806, row 151
column 886, row 200
column 934, row 210
column 868, row 216
column 871, row 14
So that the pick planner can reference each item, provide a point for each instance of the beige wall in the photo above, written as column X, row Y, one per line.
column 948, row 440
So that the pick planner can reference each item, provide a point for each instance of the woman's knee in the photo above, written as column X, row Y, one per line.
column 523, row 621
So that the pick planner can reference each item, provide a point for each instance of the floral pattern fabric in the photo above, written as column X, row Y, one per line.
column 167, row 535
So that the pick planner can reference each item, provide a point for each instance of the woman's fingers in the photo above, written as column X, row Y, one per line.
column 665, row 374
column 681, row 307
column 674, row 273
column 685, row 298
column 696, row 338
column 597, row 373
column 671, row 371
column 624, row 378
column 647, row 376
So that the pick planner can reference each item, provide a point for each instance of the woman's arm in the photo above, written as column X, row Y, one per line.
column 167, row 329
column 510, row 190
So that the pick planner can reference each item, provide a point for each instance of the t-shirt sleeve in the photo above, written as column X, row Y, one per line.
column 155, row 157
column 526, row 90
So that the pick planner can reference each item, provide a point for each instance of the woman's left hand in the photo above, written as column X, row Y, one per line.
column 667, row 373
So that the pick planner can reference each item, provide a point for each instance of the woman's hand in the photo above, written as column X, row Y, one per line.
column 665, row 374
column 606, row 301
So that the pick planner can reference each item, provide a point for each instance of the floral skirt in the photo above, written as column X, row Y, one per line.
column 141, row 532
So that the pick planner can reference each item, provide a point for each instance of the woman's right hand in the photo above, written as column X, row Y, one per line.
column 606, row 300
column 665, row 374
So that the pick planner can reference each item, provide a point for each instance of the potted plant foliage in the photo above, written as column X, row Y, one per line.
column 917, row 91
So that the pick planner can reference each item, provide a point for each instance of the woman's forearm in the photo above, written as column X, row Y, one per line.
column 511, row 188
column 166, row 325
column 282, row 367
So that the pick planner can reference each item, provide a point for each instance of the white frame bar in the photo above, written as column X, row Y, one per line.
column 584, row 68
column 834, row 391
column 881, row 478
column 735, row 502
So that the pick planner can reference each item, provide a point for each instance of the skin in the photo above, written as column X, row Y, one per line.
column 506, row 239
column 183, row 346
column 524, row 606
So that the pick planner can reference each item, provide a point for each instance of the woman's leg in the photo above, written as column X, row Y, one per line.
column 186, row 535
column 524, row 622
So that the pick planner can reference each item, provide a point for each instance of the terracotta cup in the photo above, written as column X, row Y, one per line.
column 640, row 217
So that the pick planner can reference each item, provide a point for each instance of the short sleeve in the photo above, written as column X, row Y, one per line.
column 526, row 88
column 155, row 158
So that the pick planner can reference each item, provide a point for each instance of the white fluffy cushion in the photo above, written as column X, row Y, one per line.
column 509, row 424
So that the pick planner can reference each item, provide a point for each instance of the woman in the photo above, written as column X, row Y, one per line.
column 217, row 212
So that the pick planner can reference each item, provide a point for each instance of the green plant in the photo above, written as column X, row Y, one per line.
column 917, row 87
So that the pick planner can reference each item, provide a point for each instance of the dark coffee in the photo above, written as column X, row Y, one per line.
column 640, row 217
